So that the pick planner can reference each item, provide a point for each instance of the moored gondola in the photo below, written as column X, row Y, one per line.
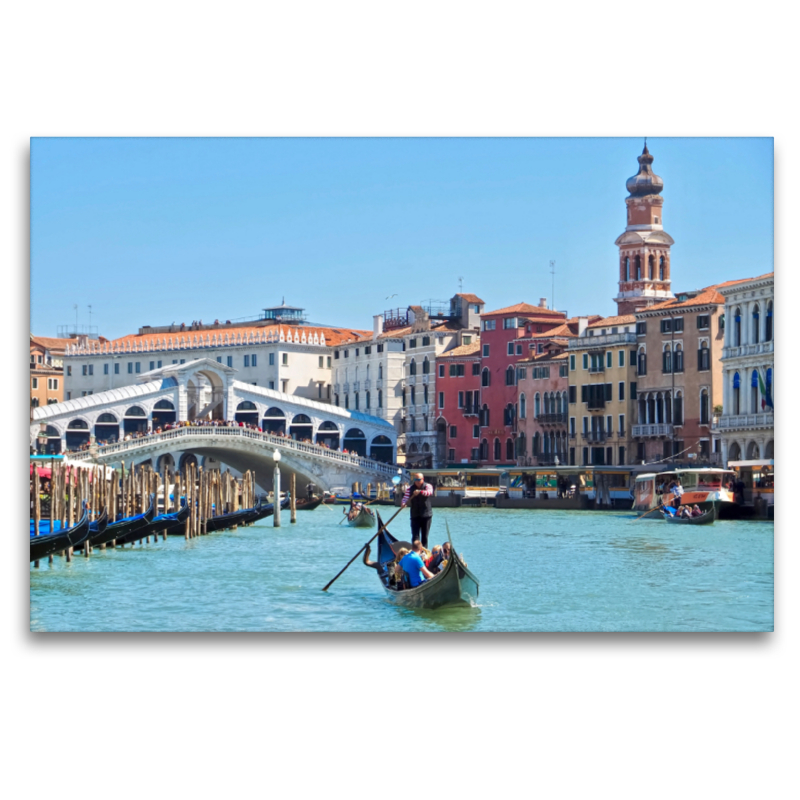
column 43, row 546
column 308, row 505
column 455, row 585
column 139, row 531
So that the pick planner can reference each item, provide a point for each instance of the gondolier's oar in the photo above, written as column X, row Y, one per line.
column 381, row 528
column 649, row 512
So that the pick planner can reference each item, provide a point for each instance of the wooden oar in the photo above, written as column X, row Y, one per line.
column 648, row 512
column 381, row 528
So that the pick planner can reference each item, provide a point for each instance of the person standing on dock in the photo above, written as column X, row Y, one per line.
column 418, row 496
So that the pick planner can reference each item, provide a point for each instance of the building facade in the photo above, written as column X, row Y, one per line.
column 502, row 332
column 47, row 370
column 679, row 378
column 458, row 388
column 747, row 424
column 602, row 388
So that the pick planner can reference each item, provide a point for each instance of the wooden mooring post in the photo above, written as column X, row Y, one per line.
column 293, row 500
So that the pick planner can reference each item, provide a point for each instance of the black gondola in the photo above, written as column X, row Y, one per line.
column 455, row 585
column 706, row 518
column 43, row 546
column 308, row 505
column 97, row 528
column 139, row 531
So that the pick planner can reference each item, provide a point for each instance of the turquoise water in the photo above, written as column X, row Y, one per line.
column 538, row 570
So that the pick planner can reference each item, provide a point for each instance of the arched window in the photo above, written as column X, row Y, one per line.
column 380, row 372
column 509, row 449
column 355, row 441
column 754, row 392
column 737, row 327
column 328, row 434
column 412, row 367
column 737, row 383
column 78, row 425
column 484, row 450
column 641, row 365
column 768, row 323
column 661, row 268
column 523, row 406
column 678, row 409
column 508, row 415
column 485, row 377
column 535, row 440
column 246, row 413
column 484, row 419
column 678, row 365
column 703, row 357
column 426, row 366
column 756, row 338
column 638, row 268
column 666, row 359
column 413, row 392
column 497, row 450
column 734, row 452
column 704, row 415
column 510, row 376
column 381, row 449
column 274, row 421
column 366, row 401
column 651, row 260
column 768, row 386
column 301, row 427
column 536, row 405
column 135, row 411
column 425, row 394
column 627, row 268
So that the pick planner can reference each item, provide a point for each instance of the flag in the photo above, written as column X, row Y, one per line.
column 766, row 397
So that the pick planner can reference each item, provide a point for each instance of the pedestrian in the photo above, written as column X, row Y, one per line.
column 418, row 496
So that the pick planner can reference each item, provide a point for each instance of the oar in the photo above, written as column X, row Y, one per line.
column 381, row 528
column 648, row 512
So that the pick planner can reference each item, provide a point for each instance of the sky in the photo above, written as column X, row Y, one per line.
column 155, row 231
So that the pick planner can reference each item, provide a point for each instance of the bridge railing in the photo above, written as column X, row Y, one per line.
column 286, row 443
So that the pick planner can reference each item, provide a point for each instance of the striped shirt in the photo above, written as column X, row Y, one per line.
column 426, row 491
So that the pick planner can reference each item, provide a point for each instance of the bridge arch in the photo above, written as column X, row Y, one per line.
column 106, row 428
column 328, row 434
column 163, row 413
column 187, row 458
column 77, row 434
column 247, row 413
column 135, row 420
column 381, row 449
column 165, row 461
column 274, row 421
column 52, row 441
column 302, row 427
column 355, row 441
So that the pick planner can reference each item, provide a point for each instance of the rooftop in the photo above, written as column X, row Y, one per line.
column 463, row 350
column 626, row 319
column 527, row 309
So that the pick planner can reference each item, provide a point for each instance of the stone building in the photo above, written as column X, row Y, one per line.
column 679, row 377
column 747, row 424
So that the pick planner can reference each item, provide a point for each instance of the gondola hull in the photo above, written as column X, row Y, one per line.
column 455, row 585
column 704, row 519
column 308, row 505
column 364, row 519
column 43, row 546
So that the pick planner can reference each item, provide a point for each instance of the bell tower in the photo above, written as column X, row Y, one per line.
column 644, row 247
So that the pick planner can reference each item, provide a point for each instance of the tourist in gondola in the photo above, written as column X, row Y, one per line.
column 418, row 496
column 696, row 512
column 414, row 567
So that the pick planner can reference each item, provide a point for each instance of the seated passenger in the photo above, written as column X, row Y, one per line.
column 696, row 512
column 436, row 558
column 414, row 566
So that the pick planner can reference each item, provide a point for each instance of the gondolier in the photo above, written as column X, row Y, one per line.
column 418, row 497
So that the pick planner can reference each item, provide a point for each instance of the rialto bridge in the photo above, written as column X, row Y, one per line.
column 142, row 424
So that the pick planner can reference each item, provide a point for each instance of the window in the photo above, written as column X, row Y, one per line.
column 247, row 361
column 678, row 365
column 152, row 365
column 489, row 324
column 633, row 390
column 703, row 321
column 158, row 364
column 412, row 343
column 357, row 397
column 34, row 383
column 426, row 340
column 703, row 358
column 510, row 349
column 609, row 425
column 272, row 386
column 69, row 370
column 609, row 360
column 272, row 358
column 441, row 399
column 456, row 370
column 572, row 427
column 562, row 371
column 412, row 367
column 380, row 398
column 476, row 368
column 130, row 367
column 641, row 328
column 666, row 360
column 666, row 326
column 486, row 351
column 510, row 323
column 621, row 431
column 52, row 383
column 768, row 324
column 453, row 432
column 485, row 378
column 586, row 361
column 523, row 406
column 253, row 361
column 519, row 349
column 704, row 415
column 572, row 362
column 497, row 450
column 573, row 391
column 230, row 361
column 105, row 369
column 522, row 373
column 441, row 370
column 116, row 369
column 756, row 325
column 621, row 358
column 219, row 359
column 367, row 404
column 510, row 376
column 138, row 367
column 183, row 361
column 461, row 399
column 476, row 431
column 641, row 368
column 285, row 359
column 736, row 395
column 622, row 390
column 328, row 361
column 677, row 410
column 85, row 369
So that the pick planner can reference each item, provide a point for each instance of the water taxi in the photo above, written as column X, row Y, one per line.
column 702, row 486
column 758, row 478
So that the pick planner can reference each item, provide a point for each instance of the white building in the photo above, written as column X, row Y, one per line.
column 747, row 424
column 278, row 351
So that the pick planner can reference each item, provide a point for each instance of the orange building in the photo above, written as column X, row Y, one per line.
column 47, row 370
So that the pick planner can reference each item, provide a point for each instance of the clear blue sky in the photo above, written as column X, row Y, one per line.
column 150, row 231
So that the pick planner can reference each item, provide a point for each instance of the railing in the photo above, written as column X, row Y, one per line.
column 733, row 422
column 411, row 380
column 356, row 386
column 596, row 403
column 761, row 348
column 210, row 432
column 345, row 388
column 470, row 411
column 426, row 378
column 596, row 436
column 367, row 385
column 594, row 369
column 379, row 383
column 582, row 342
column 550, row 419
column 651, row 430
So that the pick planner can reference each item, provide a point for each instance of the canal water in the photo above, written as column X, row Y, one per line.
column 538, row 571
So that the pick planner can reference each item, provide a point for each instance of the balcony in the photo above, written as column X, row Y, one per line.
column 552, row 419
column 737, row 422
column 594, row 370
column 640, row 431
column 345, row 388
column 367, row 385
column 582, row 342
column 379, row 383
column 596, row 436
column 411, row 380
column 470, row 411
column 356, row 386
column 335, row 388
column 596, row 403
column 760, row 349
column 426, row 379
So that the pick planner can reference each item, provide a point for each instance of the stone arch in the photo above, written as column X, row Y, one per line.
column 206, row 388
column 247, row 413
column 106, row 428
column 274, row 421
column 355, row 441
column 381, row 449
column 50, row 444
column 135, row 420
column 163, row 413
column 77, row 434
column 509, row 449
column 301, row 427
column 769, row 449
column 497, row 450
column 187, row 458
column 165, row 461
column 734, row 452
column 753, row 451
column 328, row 434
column 755, row 338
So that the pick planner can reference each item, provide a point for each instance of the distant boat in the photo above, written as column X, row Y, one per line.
column 43, row 546
column 365, row 518
column 706, row 518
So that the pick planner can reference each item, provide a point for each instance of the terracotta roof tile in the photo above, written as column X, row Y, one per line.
column 627, row 319
column 525, row 308
column 51, row 343
column 471, row 298
column 463, row 350
column 704, row 297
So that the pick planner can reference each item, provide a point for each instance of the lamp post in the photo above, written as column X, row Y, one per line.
column 276, row 488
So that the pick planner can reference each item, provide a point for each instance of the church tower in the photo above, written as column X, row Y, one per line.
column 644, row 268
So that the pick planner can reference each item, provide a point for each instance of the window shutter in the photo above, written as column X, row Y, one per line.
column 573, row 391
column 584, row 393
column 700, row 359
column 633, row 390
column 664, row 361
column 608, row 392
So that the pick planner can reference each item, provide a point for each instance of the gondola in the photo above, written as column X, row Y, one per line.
column 97, row 528
column 143, row 525
column 225, row 521
column 308, row 505
column 364, row 519
column 707, row 518
column 122, row 527
column 455, row 585
column 43, row 546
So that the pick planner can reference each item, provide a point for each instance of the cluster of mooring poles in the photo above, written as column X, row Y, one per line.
column 123, row 494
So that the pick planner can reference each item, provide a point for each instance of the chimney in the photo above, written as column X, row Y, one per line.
column 377, row 325
column 542, row 302
column 583, row 324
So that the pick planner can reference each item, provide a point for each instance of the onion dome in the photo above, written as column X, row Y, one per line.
column 645, row 181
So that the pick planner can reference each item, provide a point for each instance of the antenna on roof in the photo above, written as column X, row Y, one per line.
column 75, row 306
column 90, row 315
column 460, row 285
column 553, row 288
